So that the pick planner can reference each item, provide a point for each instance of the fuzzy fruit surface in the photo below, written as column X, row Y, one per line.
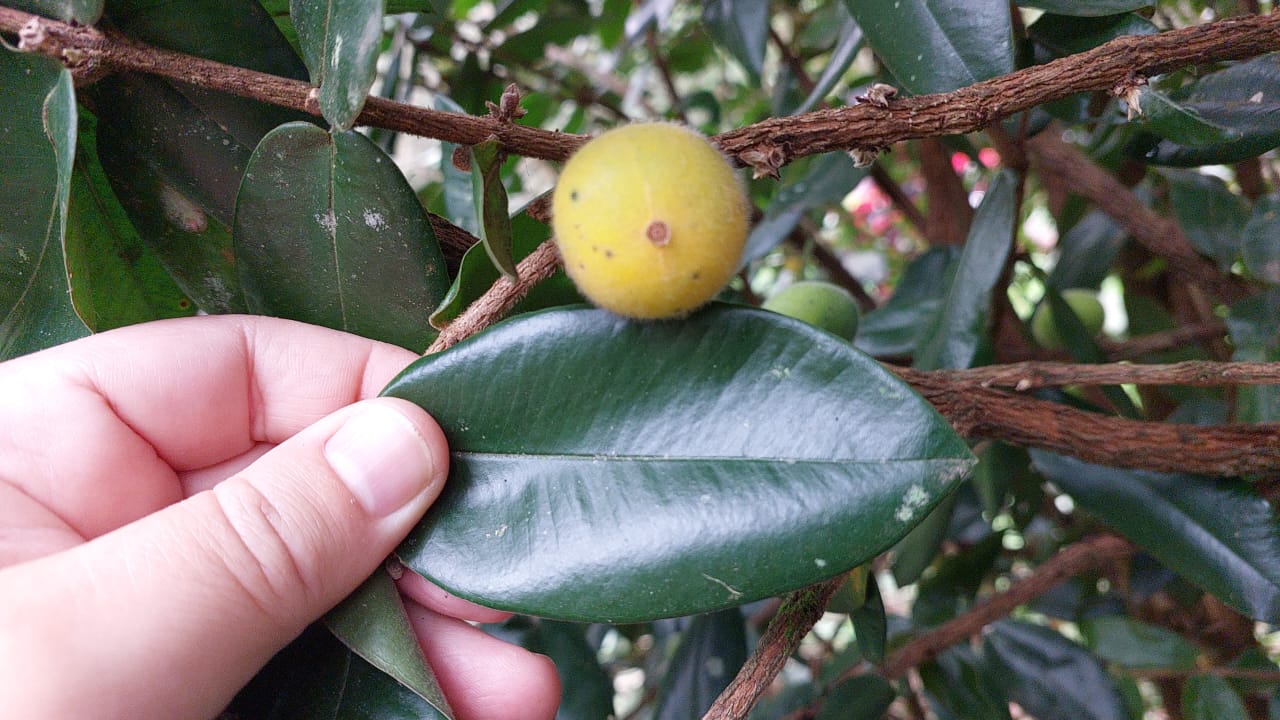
column 1084, row 303
column 820, row 304
column 650, row 220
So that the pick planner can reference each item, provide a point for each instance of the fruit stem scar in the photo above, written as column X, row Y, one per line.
column 658, row 233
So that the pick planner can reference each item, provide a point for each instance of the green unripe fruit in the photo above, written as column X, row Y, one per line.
column 820, row 304
column 1084, row 303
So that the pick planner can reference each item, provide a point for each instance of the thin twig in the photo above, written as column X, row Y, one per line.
column 498, row 300
column 1164, row 340
column 1087, row 555
column 794, row 620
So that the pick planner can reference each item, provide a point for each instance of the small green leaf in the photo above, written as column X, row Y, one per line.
column 934, row 46
column 329, row 232
column 1212, row 216
column 115, row 279
column 1067, row 34
column 1133, row 644
column 1083, row 347
column 870, row 625
column 593, row 451
column 959, row 681
column 865, row 697
column 1258, row 244
column 1086, row 252
column 490, row 197
column 1254, row 324
column 1178, row 123
column 741, row 26
column 897, row 327
column 317, row 678
column 1218, row 534
column 1086, row 8
column 952, row 340
column 83, row 12
column 1050, row 676
column 373, row 623
column 711, row 651
column 340, row 42
column 37, row 148
column 825, row 180
column 477, row 273
column 1240, row 98
column 842, row 56
column 1209, row 697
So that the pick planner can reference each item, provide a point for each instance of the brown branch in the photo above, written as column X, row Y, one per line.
column 498, row 300
column 1161, row 235
column 983, row 413
column 1192, row 373
column 863, row 125
column 1087, row 555
column 795, row 618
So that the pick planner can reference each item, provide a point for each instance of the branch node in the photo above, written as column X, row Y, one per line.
column 507, row 109
column 312, row 102
column 865, row 156
column 879, row 94
column 32, row 36
column 1130, row 91
column 765, row 160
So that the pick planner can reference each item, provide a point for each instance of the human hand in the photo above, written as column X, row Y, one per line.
column 179, row 500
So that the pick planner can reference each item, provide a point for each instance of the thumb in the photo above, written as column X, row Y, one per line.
column 171, row 615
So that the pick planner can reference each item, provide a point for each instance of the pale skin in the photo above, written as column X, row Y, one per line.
column 175, row 507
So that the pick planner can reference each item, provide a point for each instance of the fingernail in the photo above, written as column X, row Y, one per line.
column 381, row 458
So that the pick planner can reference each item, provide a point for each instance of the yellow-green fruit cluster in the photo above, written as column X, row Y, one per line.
column 1084, row 303
column 650, row 220
column 820, row 304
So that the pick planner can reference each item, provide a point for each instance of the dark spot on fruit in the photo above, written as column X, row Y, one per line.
column 696, row 274
column 608, row 253
column 581, row 266
column 573, row 195
column 184, row 304
column 595, row 248
column 658, row 233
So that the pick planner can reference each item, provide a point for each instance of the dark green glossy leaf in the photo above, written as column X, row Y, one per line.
column 37, row 148
column 741, row 27
column 953, row 586
column 711, row 651
column 176, row 179
column 934, row 46
column 1178, row 123
column 490, row 197
column 1209, row 697
column 115, row 279
column 865, row 697
column 477, row 273
column 1086, row 8
column 1219, row 534
column 83, row 12
column 1259, row 245
column 1050, row 676
column 329, row 232
column 1240, row 98
column 852, row 593
column 1212, row 216
column 591, row 451
column 317, row 678
column 340, row 41
column 915, row 552
column 373, row 623
column 1063, row 34
column 1130, row 643
column 958, row 680
column 870, row 625
column 825, row 180
column 842, row 56
column 1083, row 347
column 895, row 328
column 1086, row 252
column 459, row 202
column 951, row 340
column 1255, row 331
column 217, row 30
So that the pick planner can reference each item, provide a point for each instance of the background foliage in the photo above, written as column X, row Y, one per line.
column 129, row 197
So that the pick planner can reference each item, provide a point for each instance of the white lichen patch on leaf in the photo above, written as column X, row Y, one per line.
column 374, row 219
column 912, row 502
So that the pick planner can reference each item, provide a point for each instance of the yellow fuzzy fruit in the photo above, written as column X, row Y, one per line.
column 650, row 220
